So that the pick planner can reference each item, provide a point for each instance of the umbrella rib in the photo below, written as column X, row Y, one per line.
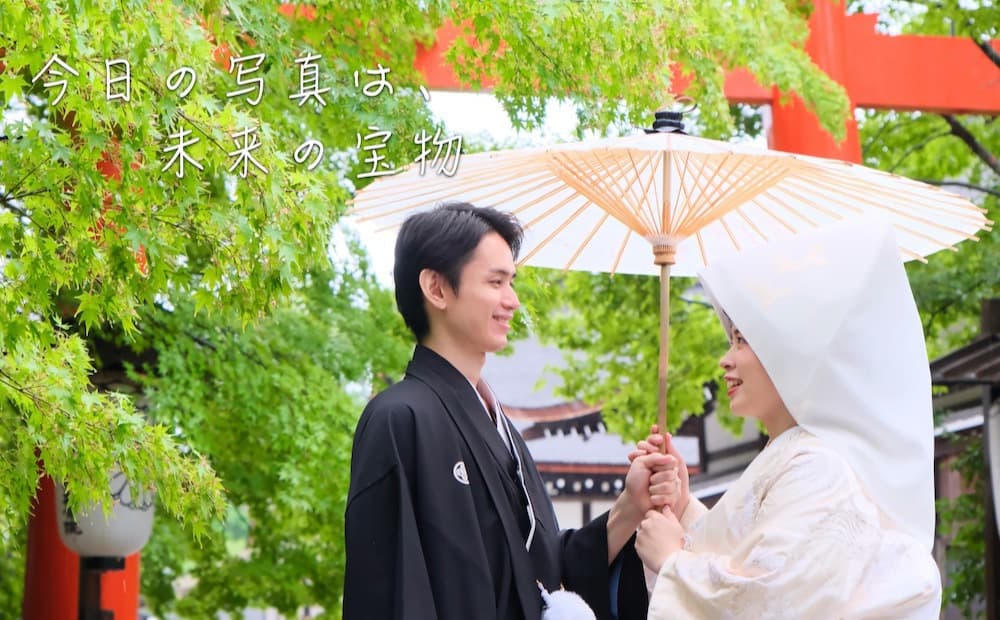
column 917, row 190
column 909, row 190
column 729, row 232
column 684, row 193
column 658, row 203
column 559, row 228
column 900, row 213
column 586, row 241
column 701, row 248
column 614, row 170
column 666, row 203
column 621, row 250
column 488, row 185
column 388, row 227
column 708, row 185
column 750, row 223
column 556, row 188
column 773, row 216
column 569, row 176
column 401, row 181
column 557, row 207
column 710, row 191
column 706, row 191
column 801, row 195
column 760, row 179
column 714, row 185
column 570, row 173
column 646, row 181
column 635, row 207
column 926, row 202
column 912, row 254
column 925, row 237
column 771, row 196
column 489, row 189
column 768, row 211
column 941, row 244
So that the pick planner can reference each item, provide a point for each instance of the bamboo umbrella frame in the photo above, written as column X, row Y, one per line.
column 668, row 196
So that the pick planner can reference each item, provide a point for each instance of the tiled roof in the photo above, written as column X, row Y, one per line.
column 976, row 363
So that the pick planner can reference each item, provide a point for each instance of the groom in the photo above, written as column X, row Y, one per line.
column 447, row 516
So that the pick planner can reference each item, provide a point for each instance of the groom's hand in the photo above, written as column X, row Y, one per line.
column 670, row 485
column 633, row 503
column 637, row 483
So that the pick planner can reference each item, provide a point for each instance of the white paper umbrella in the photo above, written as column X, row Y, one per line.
column 669, row 203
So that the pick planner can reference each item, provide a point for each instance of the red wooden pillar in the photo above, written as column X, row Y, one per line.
column 120, row 590
column 52, row 572
column 794, row 128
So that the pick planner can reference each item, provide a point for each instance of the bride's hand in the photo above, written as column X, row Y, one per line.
column 660, row 536
column 669, row 484
column 649, row 445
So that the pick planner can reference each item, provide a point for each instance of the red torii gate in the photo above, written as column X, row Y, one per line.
column 945, row 75
column 929, row 73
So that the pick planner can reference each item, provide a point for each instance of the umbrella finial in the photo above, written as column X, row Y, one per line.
column 668, row 121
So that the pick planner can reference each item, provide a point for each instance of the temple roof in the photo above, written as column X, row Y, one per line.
column 976, row 363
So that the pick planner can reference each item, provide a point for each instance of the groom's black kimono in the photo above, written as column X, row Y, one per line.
column 436, row 519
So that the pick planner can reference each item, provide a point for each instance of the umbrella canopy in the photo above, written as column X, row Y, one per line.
column 669, row 203
column 601, row 205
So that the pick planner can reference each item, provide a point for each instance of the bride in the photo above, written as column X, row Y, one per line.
column 835, row 517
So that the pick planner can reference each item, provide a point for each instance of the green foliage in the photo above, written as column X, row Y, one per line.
column 963, row 518
column 609, row 327
column 979, row 20
column 264, row 352
column 275, row 406
column 11, row 572
column 568, row 46
column 949, row 287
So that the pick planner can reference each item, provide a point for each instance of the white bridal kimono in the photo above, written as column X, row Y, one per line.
column 835, row 518
column 795, row 537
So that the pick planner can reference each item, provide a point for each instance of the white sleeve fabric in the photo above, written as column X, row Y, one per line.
column 803, row 555
column 694, row 511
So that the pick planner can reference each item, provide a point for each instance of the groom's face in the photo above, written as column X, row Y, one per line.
column 478, row 314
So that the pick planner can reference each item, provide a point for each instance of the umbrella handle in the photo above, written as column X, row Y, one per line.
column 664, row 348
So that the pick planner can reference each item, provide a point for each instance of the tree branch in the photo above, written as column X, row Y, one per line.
column 27, row 175
column 40, row 403
column 978, row 188
column 5, row 202
column 35, row 192
column 886, row 128
column 988, row 50
column 161, row 325
column 916, row 147
column 963, row 134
